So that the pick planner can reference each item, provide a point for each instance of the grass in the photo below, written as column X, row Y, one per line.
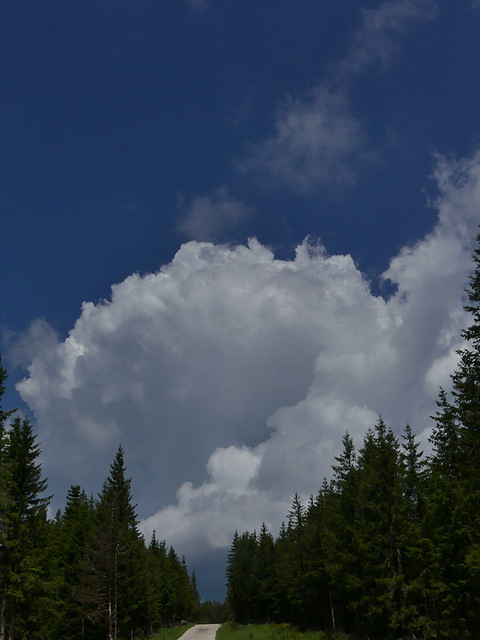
column 232, row 631
column 171, row 633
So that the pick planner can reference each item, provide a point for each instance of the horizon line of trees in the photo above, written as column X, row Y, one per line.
column 87, row 573
column 390, row 546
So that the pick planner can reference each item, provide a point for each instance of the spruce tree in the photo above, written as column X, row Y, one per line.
column 4, row 463
column 157, row 590
column 378, row 531
column 72, row 534
column 263, row 574
column 340, row 503
column 416, row 603
column 25, row 518
column 454, row 509
column 318, row 596
column 296, row 551
column 241, row 588
column 113, row 590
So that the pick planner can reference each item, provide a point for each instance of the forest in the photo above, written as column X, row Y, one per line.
column 86, row 573
column 390, row 545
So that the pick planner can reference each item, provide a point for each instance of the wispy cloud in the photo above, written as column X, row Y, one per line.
column 199, row 5
column 211, row 217
column 316, row 141
column 378, row 38
column 319, row 140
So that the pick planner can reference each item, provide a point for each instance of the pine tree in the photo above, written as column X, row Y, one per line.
column 454, row 497
column 4, row 464
column 282, row 573
column 318, row 597
column 72, row 534
column 241, row 588
column 416, row 609
column 296, row 586
column 25, row 518
column 3, row 502
column 112, row 582
column 378, row 531
column 157, row 590
column 339, row 502
column 466, row 384
column 263, row 575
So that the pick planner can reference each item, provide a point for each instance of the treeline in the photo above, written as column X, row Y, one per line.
column 213, row 612
column 86, row 573
column 390, row 546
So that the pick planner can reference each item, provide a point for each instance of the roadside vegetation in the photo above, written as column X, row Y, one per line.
column 171, row 633
column 234, row 631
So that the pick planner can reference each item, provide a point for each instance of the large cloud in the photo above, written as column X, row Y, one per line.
column 188, row 359
column 377, row 356
column 230, row 376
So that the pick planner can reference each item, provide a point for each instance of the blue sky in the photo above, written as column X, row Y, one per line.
column 143, row 145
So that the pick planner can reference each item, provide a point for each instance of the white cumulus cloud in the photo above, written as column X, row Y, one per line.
column 230, row 376
column 377, row 357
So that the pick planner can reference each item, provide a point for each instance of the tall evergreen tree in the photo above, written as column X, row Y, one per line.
column 454, row 509
column 340, row 504
column 157, row 589
column 72, row 535
column 296, row 551
column 112, row 588
column 378, row 531
column 4, row 465
column 416, row 605
column 241, row 589
column 263, row 575
column 25, row 518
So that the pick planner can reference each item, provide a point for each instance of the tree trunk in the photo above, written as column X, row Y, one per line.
column 115, row 578
column 2, row 619
column 332, row 611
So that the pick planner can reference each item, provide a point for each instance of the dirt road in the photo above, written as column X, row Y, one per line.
column 201, row 632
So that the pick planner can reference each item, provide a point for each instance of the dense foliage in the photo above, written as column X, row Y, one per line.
column 390, row 547
column 87, row 573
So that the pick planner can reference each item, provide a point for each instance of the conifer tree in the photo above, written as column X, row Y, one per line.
column 263, row 575
column 416, row 605
column 4, row 473
column 72, row 535
column 4, row 465
column 241, row 590
column 296, row 552
column 282, row 572
column 454, row 509
column 112, row 588
column 24, row 521
column 318, row 595
column 378, row 530
column 157, row 583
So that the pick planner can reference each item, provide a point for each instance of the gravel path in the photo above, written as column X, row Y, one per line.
column 201, row 632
